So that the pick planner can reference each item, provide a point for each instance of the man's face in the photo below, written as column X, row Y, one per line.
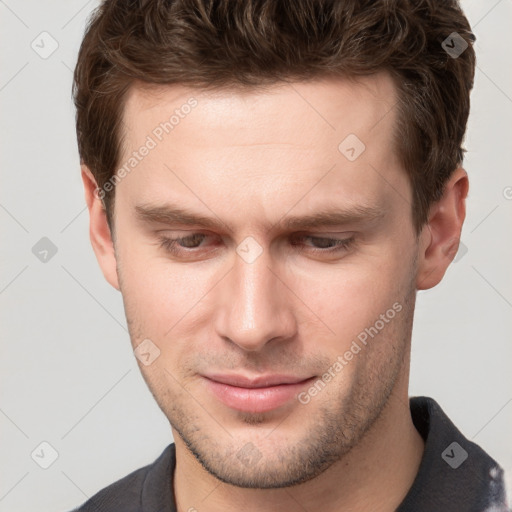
column 251, row 311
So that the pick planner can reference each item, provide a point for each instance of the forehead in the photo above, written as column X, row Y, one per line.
column 334, row 102
column 250, row 143
column 306, row 120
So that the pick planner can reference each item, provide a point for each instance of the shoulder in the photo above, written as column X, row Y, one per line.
column 143, row 488
column 455, row 474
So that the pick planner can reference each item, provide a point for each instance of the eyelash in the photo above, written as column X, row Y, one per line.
column 171, row 244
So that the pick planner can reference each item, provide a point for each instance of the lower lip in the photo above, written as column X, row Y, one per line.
column 255, row 399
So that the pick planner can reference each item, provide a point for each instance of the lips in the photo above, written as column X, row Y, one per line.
column 259, row 394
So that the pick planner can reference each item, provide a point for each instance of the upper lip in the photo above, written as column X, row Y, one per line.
column 260, row 381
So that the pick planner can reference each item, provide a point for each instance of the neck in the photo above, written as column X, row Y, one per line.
column 375, row 475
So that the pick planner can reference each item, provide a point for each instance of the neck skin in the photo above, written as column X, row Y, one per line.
column 375, row 475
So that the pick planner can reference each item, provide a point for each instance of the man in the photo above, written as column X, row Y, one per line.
column 269, row 183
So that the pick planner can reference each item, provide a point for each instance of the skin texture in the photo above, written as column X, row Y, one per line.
column 250, row 160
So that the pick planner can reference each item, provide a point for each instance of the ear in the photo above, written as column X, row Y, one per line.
column 99, row 230
column 440, row 237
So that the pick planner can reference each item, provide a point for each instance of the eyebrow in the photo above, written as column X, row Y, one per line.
column 328, row 217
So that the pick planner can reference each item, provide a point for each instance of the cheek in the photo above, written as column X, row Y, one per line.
column 350, row 297
column 162, row 304
column 160, row 296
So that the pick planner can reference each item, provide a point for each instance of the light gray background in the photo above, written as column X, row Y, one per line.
column 68, row 376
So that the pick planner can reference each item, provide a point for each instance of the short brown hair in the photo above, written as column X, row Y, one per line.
column 249, row 43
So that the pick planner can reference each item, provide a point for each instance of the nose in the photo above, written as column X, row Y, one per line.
column 256, row 306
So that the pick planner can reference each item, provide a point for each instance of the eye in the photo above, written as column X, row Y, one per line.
column 179, row 245
column 323, row 244
column 192, row 244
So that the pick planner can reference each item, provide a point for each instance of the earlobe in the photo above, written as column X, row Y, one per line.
column 440, row 237
column 99, row 230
